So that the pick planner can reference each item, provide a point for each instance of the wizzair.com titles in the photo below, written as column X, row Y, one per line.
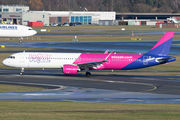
column 122, row 57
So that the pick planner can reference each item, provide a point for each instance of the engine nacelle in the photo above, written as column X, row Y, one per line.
column 70, row 69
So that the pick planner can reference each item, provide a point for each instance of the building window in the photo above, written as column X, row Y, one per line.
column 43, row 16
column 89, row 19
column 5, row 10
column 0, row 15
column 72, row 19
column 85, row 20
column 77, row 19
column 18, row 9
column 0, row 10
column 58, row 19
column 81, row 19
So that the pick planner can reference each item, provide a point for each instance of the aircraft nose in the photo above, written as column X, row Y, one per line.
column 34, row 32
column 5, row 62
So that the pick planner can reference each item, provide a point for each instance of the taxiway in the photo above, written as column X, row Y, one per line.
column 98, row 88
column 116, row 46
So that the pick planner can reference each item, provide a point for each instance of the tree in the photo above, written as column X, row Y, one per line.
column 122, row 6
column 141, row 8
column 165, row 9
column 35, row 4
column 99, row 5
column 151, row 2
column 161, row 3
column 175, row 4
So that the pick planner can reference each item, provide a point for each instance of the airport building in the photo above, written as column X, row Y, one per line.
column 22, row 15
column 83, row 17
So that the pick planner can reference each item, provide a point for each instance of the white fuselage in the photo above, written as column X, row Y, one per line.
column 40, row 60
column 16, row 31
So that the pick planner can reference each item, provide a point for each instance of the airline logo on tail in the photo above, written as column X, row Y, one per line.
column 162, row 47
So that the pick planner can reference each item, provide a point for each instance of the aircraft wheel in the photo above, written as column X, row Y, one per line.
column 20, row 41
column 88, row 74
column 21, row 73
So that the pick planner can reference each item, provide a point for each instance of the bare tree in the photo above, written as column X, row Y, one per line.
column 175, row 4
column 141, row 8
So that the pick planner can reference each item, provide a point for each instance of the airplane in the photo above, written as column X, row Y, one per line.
column 16, row 31
column 72, row 63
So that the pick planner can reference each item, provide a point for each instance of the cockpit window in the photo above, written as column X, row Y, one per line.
column 30, row 29
column 11, row 57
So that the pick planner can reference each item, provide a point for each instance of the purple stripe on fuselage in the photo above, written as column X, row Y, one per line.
column 115, row 61
column 166, row 37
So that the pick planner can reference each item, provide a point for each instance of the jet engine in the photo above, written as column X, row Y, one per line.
column 70, row 69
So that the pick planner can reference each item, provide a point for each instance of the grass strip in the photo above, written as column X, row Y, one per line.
column 119, row 27
column 17, row 88
column 86, row 38
column 87, row 111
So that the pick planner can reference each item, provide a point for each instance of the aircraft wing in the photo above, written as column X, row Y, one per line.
column 91, row 64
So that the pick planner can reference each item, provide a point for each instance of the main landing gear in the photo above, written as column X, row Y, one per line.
column 22, row 71
column 88, row 74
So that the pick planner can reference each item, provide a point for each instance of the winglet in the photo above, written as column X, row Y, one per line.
column 162, row 47
column 106, row 52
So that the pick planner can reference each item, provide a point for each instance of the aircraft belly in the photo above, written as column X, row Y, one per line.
column 21, row 65
column 43, row 65
column 9, row 33
column 115, row 65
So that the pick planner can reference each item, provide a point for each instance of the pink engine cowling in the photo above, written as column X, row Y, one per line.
column 70, row 69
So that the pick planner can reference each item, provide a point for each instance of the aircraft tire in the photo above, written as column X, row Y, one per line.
column 88, row 74
column 21, row 73
column 20, row 41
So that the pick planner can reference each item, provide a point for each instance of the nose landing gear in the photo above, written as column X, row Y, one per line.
column 22, row 71
column 21, row 40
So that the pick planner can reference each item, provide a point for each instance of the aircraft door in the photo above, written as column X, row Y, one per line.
column 23, row 62
column 145, row 60
column 79, row 59
column 22, row 58
column 108, row 62
column 22, row 30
